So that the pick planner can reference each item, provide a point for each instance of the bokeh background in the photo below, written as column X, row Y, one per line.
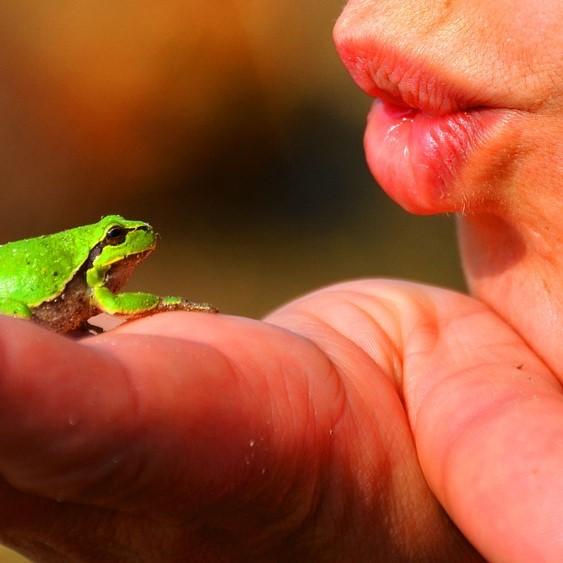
column 231, row 126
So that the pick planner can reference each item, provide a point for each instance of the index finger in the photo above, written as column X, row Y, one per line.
column 168, row 407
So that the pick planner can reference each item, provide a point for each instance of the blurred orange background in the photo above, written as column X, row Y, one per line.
column 231, row 126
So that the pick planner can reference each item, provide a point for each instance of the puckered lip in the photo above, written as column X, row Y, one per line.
column 408, row 81
column 426, row 127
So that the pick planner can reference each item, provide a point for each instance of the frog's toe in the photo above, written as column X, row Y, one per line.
column 198, row 307
column 89, row 328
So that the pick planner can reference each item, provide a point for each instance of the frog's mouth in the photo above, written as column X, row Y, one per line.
column 120, row 272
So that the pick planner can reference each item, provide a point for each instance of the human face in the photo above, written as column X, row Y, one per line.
column 469, row 119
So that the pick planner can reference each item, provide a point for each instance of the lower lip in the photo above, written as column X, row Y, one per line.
column 417, row 158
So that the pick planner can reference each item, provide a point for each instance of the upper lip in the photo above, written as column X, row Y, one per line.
column 405, row 81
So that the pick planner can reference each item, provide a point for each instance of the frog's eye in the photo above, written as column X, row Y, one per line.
column 116, row 235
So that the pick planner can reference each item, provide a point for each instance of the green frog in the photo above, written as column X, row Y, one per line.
column 62, row 280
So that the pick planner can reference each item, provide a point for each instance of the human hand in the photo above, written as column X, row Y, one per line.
column 212, row 438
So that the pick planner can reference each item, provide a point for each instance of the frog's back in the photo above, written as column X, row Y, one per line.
column 36, row 270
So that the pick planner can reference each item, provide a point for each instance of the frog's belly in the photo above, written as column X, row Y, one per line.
column 69, row 311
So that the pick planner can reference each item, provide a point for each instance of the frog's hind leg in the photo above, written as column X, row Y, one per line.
column 14, row 308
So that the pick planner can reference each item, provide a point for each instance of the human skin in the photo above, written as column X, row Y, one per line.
column 506, row 55
column 369, row 421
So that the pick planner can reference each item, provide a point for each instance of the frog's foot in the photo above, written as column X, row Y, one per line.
column 179, row 304
column 14, row 308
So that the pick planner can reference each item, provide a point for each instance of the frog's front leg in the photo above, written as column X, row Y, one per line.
column 14, row 308
column 136, row 304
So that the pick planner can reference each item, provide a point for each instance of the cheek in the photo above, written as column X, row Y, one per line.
column 530, row 43
column 518, row 174
column 540, row 171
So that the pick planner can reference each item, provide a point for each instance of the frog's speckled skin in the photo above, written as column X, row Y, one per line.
column 36, row 270
column 61, row 280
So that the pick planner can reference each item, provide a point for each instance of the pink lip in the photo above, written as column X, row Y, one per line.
column 421, row 131
column 416, row 157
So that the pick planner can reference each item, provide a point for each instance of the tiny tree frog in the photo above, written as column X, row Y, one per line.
column 63, row 279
